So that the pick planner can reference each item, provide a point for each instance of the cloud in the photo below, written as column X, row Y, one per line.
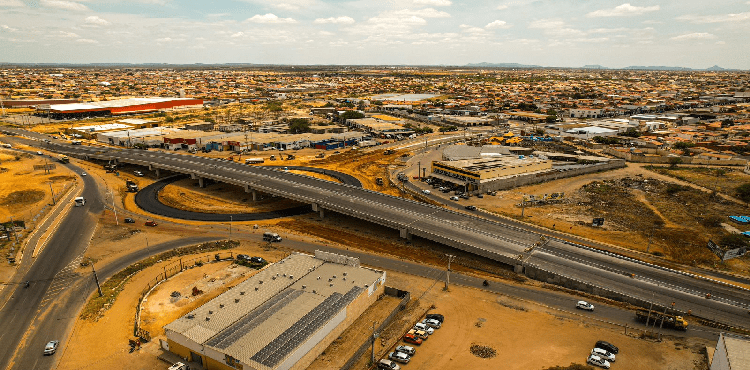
column 547, row 24
column 87, row 41
column 724, row 42
column 497, row 24
column 68, row 34
column 396, row 20
column 336, row 20
column 11, row 3
column 424, row 13
column 433, row 2
column 238, row 34
column 721, row 18
column 694, row 36
column 65, row 5
column 269, row 18
column 5, row 27
column 471, row 29
column 502, row 7
column 623, row 10
column 96, row 21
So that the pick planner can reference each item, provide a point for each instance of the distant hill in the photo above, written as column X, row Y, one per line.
column 593, row 66
column 502, row 65
column 660, row 68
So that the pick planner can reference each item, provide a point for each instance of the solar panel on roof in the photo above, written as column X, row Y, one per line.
column 300, row 331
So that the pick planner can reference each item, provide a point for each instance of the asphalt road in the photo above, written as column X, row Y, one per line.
column 67, row 243
column 497, row 239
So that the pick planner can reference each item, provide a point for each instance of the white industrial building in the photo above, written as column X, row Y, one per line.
column 732, row 353
column 282, row 317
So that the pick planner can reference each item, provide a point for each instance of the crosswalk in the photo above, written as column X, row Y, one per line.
column 62, row 280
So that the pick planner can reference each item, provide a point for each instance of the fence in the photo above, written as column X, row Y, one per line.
column 170, row 270
column 405, row 297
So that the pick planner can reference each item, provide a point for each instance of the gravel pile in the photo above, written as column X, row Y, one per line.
column 482, row 351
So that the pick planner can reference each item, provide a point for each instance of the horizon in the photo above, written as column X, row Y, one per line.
column 550, row 34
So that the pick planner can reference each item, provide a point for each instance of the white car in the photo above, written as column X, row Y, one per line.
column 399, row 357
column 409, row 350
column 83, row 173
column 603, row 353
column 432, row 323
column 426, row 192
column 425, row 327
column 454, row 198
column 51, row 347
column 583, row 305
column 598, row 361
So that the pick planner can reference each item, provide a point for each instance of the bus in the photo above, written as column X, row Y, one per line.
column 79, row 201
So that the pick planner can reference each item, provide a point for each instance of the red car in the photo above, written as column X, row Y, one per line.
column 408, row 338
column 151, row 223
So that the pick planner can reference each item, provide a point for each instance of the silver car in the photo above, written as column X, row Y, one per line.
column 51, row 347
column 399, row 357
column 598, row 361
column 409, row 350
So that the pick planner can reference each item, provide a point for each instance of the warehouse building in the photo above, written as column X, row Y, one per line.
column 117, row 107
column 477, row 174
column 732, row 353
column 282, row 318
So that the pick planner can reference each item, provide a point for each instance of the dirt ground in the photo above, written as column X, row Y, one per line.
column 511, row 327
column 112, row 332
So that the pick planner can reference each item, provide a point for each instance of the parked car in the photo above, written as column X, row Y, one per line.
column 399, row 357
column 435, row 316
column 583, row 305
column 455, row 198
column 387, row 365
column 258, row 260
column 426, row 192
column 432, row 323
column 598, row 361
column 464, row 195
column 480, row 196
column 603, row 353
column 138, row 173
column 151, row 223
column 179, row 366
column 607, row 346
column 409, row 350
column 83, row 173
column 129, row 220
column 424, row 327
column 51, row 347
column 471, row 208
column 408, row 338
column 419, row 334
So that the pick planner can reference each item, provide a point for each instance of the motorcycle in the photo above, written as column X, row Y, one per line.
column 27, row 284
column 486, row 283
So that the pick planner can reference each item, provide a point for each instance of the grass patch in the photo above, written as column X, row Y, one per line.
column 96, row 306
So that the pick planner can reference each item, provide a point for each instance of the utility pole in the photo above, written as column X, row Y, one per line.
column 419, row 168
column 117, row 222
column 53, row 193
column 448, row 273
column 372, row 347
column 230, row 226
column 13, row 225
column 96, row 279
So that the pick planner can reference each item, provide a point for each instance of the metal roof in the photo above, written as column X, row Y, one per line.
column 262, row 320
column 110, row 104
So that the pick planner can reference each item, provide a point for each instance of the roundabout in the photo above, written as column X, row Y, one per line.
column 148, row 200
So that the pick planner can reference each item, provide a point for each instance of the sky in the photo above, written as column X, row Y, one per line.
column 555, row 33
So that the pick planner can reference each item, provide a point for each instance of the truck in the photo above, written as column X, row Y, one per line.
column 379, row 181
column 271, row 237
column 110, row 168
column 254, row 160
column 63, row 158
column 655, row 318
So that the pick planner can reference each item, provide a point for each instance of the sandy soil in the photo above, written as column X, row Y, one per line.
column 545, row 337
column 112, row 332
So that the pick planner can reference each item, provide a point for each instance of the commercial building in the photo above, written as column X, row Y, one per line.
column 281, row 318
column 732, row 353
column 476, row 174
column 117, row 107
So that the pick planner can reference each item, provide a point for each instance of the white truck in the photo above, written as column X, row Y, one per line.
column 271, row 237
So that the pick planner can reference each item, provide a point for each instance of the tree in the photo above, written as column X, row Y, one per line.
column 631, row 132
column 674, row 161
column 351, row 114
column 682, row 145
column 743, row 192
column 299, row 125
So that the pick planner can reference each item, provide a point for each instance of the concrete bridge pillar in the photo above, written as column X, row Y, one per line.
column 518, row 269
column 404, row 233
column 201, row 183
column 157, row 173
column 193, row 176
column 321, row 212
column 315, row 207
column 150, row 167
